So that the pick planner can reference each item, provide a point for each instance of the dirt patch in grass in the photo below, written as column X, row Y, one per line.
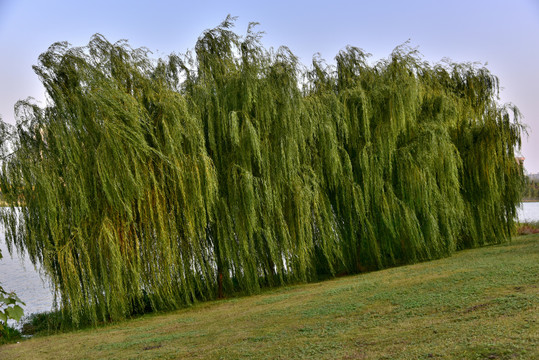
column 476, row 307
column 151, row 347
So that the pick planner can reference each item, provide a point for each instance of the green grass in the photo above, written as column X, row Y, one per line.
column 477, row 304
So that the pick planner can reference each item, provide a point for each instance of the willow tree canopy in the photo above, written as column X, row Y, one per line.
column 157, row 183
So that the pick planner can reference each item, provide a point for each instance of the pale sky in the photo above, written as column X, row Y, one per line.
column 504, row 34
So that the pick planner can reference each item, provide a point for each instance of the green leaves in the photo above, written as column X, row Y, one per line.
column 143, row 191
column 9, row 309
column 14, row 312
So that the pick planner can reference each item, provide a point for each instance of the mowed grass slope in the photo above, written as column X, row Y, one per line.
column 477, row 304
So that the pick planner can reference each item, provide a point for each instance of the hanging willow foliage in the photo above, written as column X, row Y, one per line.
column 155, row 184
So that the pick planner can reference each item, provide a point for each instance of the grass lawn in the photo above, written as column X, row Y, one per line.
column 477, row 304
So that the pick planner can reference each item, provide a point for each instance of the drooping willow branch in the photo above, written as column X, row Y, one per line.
column 163, row 182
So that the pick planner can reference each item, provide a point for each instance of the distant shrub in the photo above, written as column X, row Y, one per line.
column 528, row 228
column 45, row 323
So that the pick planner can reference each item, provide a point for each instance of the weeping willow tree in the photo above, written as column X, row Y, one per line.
column 152, row 184
column 117, row 185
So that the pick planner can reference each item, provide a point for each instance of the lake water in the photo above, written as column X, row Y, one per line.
column 18, row 274
column 528, row 211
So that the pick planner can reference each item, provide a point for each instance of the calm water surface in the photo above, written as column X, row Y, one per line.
column 529, row 211
column 18, row 274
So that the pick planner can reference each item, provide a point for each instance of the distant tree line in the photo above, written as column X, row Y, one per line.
column 531, row 190
column 152, row 184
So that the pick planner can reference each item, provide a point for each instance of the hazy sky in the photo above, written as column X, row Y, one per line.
column 503, row 33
